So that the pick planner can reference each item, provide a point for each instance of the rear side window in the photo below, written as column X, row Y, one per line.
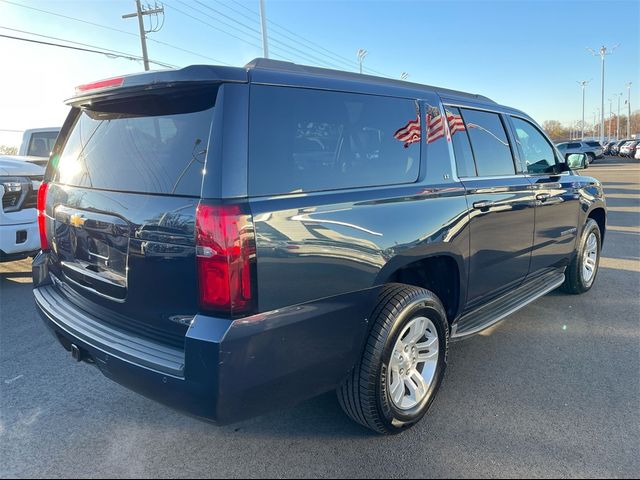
column 489, row 143
column 154, row 143
column 303, row 140
column 594, row 144
column 574, row 145
column 461, row 145
column 41, row 143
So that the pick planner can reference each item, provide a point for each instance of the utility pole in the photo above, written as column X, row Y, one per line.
column 263, row 24
column 361, row 53
column 603, row 52
column 583, row 84
column 140, row 13
column 629, row 109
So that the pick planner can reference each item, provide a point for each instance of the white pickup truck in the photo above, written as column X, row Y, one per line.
column 19, row 183
column 37, row 144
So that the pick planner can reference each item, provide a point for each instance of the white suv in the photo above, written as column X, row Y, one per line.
column 19, row 183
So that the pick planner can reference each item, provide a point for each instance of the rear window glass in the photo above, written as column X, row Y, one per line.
column 42, row 143
column 489, row 143
column 303, row 140
column 147, row 144
column 594, row 144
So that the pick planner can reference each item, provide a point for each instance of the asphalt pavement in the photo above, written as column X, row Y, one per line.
column 554, row 391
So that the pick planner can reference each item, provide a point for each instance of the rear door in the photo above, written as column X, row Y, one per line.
column 123, row 190
column 500, row 202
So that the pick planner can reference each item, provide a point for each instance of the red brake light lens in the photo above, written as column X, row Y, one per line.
column 108, row 83
column 42, row 219
column 225, row 251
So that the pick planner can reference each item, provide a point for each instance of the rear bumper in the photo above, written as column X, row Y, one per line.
column 228, row 370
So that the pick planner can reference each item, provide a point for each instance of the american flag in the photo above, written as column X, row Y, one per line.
column 455, row 123
column 410, row 133
column 435, row 125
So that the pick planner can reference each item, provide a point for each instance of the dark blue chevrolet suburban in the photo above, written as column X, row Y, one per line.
column 232, row 240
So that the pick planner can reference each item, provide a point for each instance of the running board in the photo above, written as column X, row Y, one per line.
column 488, row 315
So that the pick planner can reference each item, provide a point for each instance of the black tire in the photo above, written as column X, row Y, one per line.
column 574, row 282
column 590, row 158
column 364, row 395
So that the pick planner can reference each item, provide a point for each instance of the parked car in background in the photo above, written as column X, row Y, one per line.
column 607, row 148
column 243, row 239
column 637, row 155
column 19, row 183
column 615, row 148
column 598, row 148
column 38, row 142
column 628, row 149
column 581, row 147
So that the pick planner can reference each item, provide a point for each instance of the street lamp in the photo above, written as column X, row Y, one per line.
column 583, row 84
column 618, row 119
column 361, row 53
column 628, row 85
column 610, row 118
column 603, row 52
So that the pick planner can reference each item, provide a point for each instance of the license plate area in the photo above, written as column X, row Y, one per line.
column 93, row 249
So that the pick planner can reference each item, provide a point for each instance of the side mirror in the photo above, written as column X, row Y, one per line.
column 576, row 161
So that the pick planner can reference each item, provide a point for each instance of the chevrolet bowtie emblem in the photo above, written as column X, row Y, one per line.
column 77, row 220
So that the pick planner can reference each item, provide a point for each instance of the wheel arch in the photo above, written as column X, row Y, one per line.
column 443, row 273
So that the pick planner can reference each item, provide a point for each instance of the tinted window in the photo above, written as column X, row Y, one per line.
column 489, row 143
column 574, row 145
column 594, row 144
column 562, row 146
column 154, row 144
column 535, row 149
column 461, row 146
column 304, row 140
column 42, row 143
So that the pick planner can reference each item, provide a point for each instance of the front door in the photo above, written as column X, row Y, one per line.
column 556, row 196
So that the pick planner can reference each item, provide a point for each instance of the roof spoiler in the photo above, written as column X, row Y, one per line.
column 101, row 89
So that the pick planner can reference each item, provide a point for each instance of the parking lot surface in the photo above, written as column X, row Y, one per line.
column 554, row 391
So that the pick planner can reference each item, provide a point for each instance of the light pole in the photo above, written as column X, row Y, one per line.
column 603, row 52
column 583, row 84
column 618, row 119
column 610, row 118
column 629, row 109
column 263, row 27
column 361, row 53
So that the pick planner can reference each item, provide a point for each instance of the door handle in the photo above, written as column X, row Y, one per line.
column 543, row 197
column 483, row 204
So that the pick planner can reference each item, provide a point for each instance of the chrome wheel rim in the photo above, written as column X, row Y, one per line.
column 590, row 258
column 413, row 363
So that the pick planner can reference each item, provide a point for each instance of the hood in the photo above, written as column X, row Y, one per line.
column 19, row 166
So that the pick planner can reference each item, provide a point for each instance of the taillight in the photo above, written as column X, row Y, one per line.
column 42, row 219
column 108, row 83
column 225, row 251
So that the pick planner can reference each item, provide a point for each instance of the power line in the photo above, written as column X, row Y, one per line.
column 337, row 56
column 106, row 27
column 108, row 54
column 102, row 49
column 208, row 24
column 283, row 45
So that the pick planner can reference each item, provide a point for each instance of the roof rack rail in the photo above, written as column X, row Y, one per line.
column 283, row 66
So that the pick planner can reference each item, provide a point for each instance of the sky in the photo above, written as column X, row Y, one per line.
column 525, row 54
